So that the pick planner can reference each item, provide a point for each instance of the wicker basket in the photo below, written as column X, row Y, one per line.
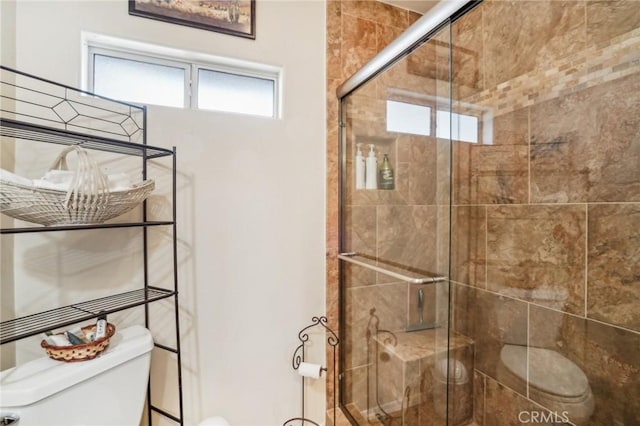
column 88, row 200
column 83, row 352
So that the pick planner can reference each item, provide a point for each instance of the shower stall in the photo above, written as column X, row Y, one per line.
column 492, row 276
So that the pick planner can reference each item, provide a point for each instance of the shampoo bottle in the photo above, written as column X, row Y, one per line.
column 371, row 179
column 386, row 174
column 360, row 168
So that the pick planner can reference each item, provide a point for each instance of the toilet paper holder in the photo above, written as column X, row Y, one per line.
column 310, row 370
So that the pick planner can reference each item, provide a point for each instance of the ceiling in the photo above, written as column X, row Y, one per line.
column 420, row 6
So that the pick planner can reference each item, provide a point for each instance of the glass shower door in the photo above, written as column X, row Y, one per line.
column 395, row 227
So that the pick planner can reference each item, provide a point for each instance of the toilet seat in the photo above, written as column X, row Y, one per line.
column 550, row 373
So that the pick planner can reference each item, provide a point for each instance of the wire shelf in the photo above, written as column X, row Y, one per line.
column 39, row 133
column 78, row 227
column 31, row 325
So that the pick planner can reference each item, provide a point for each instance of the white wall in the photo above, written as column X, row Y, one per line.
column 251, row 200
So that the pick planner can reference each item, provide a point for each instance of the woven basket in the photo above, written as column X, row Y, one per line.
column 82, row 352
column 88, row 200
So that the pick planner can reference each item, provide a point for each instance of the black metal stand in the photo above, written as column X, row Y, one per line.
column 374, row 336
column 298, row 358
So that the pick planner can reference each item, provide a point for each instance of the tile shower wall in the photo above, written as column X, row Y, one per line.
column 550, row 198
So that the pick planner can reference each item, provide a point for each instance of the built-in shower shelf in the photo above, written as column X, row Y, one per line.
column 391, row 269
column 32, row 325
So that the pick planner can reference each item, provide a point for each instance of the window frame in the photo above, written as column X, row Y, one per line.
column 138, row 57
column 196, row 67
column 191, row 62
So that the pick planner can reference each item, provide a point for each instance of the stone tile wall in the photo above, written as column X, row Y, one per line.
column 548, row 204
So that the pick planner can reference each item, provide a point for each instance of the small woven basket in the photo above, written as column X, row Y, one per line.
column 88, row 200
column 82, row 352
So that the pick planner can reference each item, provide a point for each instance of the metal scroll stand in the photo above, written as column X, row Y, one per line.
column 298, row 358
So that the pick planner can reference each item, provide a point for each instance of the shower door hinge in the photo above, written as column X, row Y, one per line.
column 341, row 124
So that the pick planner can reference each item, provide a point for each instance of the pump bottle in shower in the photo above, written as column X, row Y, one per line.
column 360, row 168
column 371, row 179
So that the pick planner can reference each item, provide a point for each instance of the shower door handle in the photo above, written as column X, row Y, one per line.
column 392, row 271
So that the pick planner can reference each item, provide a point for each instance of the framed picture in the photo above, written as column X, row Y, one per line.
column 233, row 17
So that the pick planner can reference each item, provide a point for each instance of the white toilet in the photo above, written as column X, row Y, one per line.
column 108, row 390
column 554, row 381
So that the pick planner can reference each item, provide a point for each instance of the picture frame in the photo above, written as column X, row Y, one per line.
column 232, row 17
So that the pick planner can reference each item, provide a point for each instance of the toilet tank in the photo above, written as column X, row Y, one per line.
column 512, row 321
column 108, row 390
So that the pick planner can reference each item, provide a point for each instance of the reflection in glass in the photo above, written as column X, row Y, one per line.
column 404, row 117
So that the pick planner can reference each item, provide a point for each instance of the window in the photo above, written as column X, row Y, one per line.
column 225, row 91
column 404, row 117
column 459, row 127
column 416, row 119
column 140, row 73
column 138, row 81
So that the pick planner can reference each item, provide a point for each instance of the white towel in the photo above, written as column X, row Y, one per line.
column 12, row 177
column 58, row 177
column 61, row 179
column 119, row 182
column 55, row 179
column 45, row 184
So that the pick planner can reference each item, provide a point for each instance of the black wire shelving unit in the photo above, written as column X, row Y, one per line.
column 40, row 110
column 32, row 325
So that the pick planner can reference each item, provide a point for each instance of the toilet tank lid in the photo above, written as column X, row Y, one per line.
column 536, row 294
column 43, row 377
